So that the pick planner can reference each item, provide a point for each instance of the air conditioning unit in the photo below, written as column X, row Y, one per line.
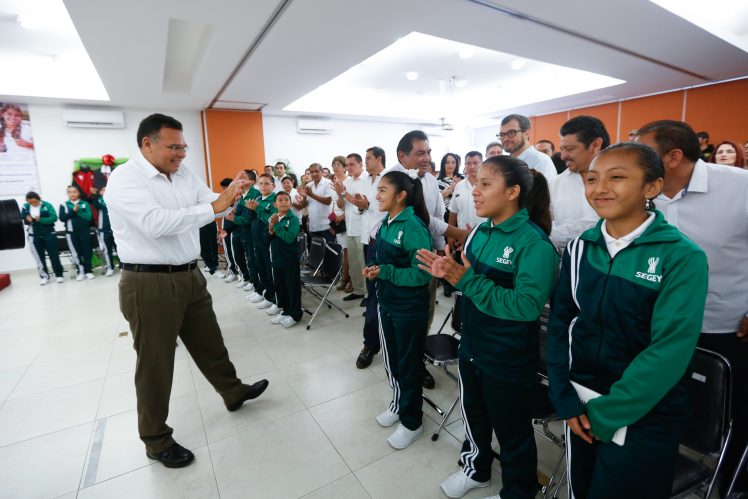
column 313, row 126
column 94, row 118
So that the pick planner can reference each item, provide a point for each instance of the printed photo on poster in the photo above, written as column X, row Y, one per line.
column 18, row 173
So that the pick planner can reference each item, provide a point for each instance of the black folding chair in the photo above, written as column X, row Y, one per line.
column 314, row 257
column 710, row 427
column 742, row 468
column 303, row 251
column 325, row 278
column 441, row 351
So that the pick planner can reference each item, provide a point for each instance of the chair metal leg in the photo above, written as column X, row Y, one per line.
column 719, row 463
column 545, row 490
column 740, row 468
column 445, row 417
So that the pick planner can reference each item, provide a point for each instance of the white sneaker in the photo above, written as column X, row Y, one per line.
column 249, row 287
column 458, row 484
column 89, row 276
column 264, row 304
column 288, row 322
column 60, row 280
column 230, row 278
column 44, row 281
column 206, row 270
column 219, row 275
column 403, row 437
column 278, row 319
column 80, row 277
column 274, row 310
column 387, row 418
column 255, row 298
column 109, row 272
column 240, row 283
column 497, row 496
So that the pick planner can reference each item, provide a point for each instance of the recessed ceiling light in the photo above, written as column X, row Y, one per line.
column 518, row 64
column 466, row 53
column 27, row 22
column 411, row 75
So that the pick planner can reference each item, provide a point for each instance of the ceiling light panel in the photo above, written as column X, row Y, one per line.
column 375, row 87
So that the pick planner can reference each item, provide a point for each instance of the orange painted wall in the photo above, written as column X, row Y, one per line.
column 607, row 113
column 234, row 141
column 637, row 112
column 721, row 110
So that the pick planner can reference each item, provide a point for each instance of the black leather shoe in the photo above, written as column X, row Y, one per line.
column 428, row 379
column 253, row 391
column 364, row 358
column 175, row 456
column 363, row 303
column 352, row 296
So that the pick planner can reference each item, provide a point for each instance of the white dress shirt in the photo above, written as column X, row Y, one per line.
column 713, row 212
column 463, row 206
column 354, row 218
column 372, row 215
column 539, row 161
column 318, row 212
column 296, row 211
column 615, row 245
column 572, row 214
column 434, row 205
column 155, row 220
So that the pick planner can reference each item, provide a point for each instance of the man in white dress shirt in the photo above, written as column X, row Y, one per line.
column 582, row 137
column 515, row 138
column 494, row 149
column 709, row 204
column 462, row 208
column 317, row 195
column 156, row 207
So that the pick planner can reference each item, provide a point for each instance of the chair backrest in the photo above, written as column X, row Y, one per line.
column 301, row 244
column 709, row 386
column 316, row 253
column 456, row 321
column 332, row 262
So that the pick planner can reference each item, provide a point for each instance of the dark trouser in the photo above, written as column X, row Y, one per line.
column 264, row 267
column 642, row 468
column 209, row 245
column 239, row 257
column 737, row 353
column 371, row 317
column 287, row 281
column 491, row 404
column 248, row 243
column 160, row 307
column 106, row 245
column 228, row 250
column 81, row 239
column 48, row 243
column 326, row 234
column 402, row 339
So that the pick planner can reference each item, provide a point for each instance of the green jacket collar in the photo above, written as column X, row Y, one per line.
column 404, row 215
column 660, row 231
column 510, row 224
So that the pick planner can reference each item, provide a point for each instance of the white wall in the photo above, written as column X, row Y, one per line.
column 283, row 142
column 58, row 145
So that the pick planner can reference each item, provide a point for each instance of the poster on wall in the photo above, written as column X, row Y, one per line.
column 18, row 173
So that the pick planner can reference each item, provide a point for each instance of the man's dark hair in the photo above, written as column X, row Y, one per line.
column 282, row 193
column 226, row 182
column 473, row 154
column 672, row 134
column 587, row 129
column 268, row 176
column 378, row 153
column 553, row 146
column 702, row 135
column 251, row 175
column 406, row 143
column 355, row 156
column 151, row 125
column 493, row 144
column 281, row 163
column 523, row 121
column 33, row 195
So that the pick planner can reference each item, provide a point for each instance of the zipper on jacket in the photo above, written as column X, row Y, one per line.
column 600, row 315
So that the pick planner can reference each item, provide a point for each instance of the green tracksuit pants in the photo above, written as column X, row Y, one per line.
column 46, row 243
column 79, row 243
column 491, row 404
column 287, row 280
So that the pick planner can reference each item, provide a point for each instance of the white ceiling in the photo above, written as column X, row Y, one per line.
column 308, row 43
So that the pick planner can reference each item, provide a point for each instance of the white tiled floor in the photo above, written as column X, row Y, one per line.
column 68, row 420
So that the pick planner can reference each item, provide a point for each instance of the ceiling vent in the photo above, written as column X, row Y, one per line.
column 313, row 126
column 94, row 118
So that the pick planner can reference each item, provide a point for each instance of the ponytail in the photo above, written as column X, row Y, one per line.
column 533, row 188
column 413, row 190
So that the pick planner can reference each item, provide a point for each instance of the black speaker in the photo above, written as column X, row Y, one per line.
column 12, row 235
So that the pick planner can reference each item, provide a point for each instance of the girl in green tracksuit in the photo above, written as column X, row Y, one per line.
column 40, row 217
column 284, row 227
column 76, row 214
column 403, row 294
column 625, row 318
column 508, row 268
column 264, row 207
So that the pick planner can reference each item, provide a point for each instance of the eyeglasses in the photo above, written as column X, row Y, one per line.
column 508, row 134
column 178, row 148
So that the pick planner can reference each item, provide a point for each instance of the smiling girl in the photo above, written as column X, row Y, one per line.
column 625, row 318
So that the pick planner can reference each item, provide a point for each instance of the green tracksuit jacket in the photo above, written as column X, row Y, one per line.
column 401, row 285
column 633, row 322
column 283, row 243
column 512, row 269
column 80, row 220
column 243, row 216
column 47, row 219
